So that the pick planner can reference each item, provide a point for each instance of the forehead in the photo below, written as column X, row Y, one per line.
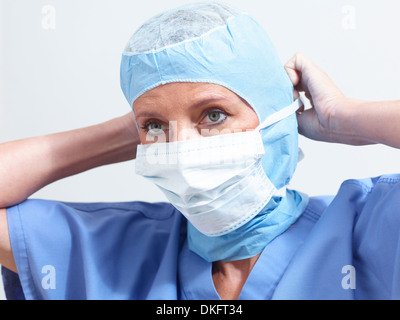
column 184, row 93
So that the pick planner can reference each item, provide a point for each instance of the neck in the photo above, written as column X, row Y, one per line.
column 230, row 276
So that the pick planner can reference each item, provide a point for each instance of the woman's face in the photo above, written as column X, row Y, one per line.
column 182, row 111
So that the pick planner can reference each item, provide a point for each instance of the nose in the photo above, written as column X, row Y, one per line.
column 182, row 130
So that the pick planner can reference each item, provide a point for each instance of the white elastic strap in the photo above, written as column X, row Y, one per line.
column 281, row 192
column 281, row 114
column 300, row 155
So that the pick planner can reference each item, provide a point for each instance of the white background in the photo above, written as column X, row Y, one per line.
column 59, row 70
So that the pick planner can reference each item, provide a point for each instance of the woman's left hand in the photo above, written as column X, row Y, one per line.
column 336, row 118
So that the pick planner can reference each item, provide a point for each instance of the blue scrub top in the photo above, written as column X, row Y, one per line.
column 342, row 247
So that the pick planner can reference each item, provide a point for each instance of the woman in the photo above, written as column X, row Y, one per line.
column 214, row 126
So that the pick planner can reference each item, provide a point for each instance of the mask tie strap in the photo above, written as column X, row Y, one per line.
column 281, row 114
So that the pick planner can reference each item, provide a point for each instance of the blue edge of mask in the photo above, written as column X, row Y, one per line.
column 241, row 57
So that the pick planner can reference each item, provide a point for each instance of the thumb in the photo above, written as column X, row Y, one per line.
column 308, row 124
column 292, row 72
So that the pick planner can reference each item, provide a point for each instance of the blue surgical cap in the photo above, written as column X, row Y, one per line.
column 211, row 42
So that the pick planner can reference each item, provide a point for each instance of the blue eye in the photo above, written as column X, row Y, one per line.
column 154, row 128
column 215, row 116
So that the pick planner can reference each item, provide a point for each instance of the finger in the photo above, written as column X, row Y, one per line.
column 295, row 75
column 310, row 76
column 292, row 72
column 300, row 110
column 297, row 68
column 296, row 94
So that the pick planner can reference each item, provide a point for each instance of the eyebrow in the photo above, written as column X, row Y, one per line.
column 207, row 99
column 148, row 114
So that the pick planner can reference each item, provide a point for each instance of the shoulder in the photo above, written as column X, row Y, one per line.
column 80, row 239
column 377, row 195
column 367, row 185
column 357, row 193
column 372, row 201
column 149, row 210
column 156, row 211
column 65, row 222
column 379, row 210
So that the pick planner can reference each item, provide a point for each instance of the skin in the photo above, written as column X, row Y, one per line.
column 339, row 119
column 199, row 110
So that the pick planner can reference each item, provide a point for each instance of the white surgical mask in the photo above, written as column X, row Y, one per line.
column 218, row 182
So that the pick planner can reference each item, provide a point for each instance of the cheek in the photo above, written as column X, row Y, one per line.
column 142, row 137
column 146, row 137
column 249, row 119
column 254, row 122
